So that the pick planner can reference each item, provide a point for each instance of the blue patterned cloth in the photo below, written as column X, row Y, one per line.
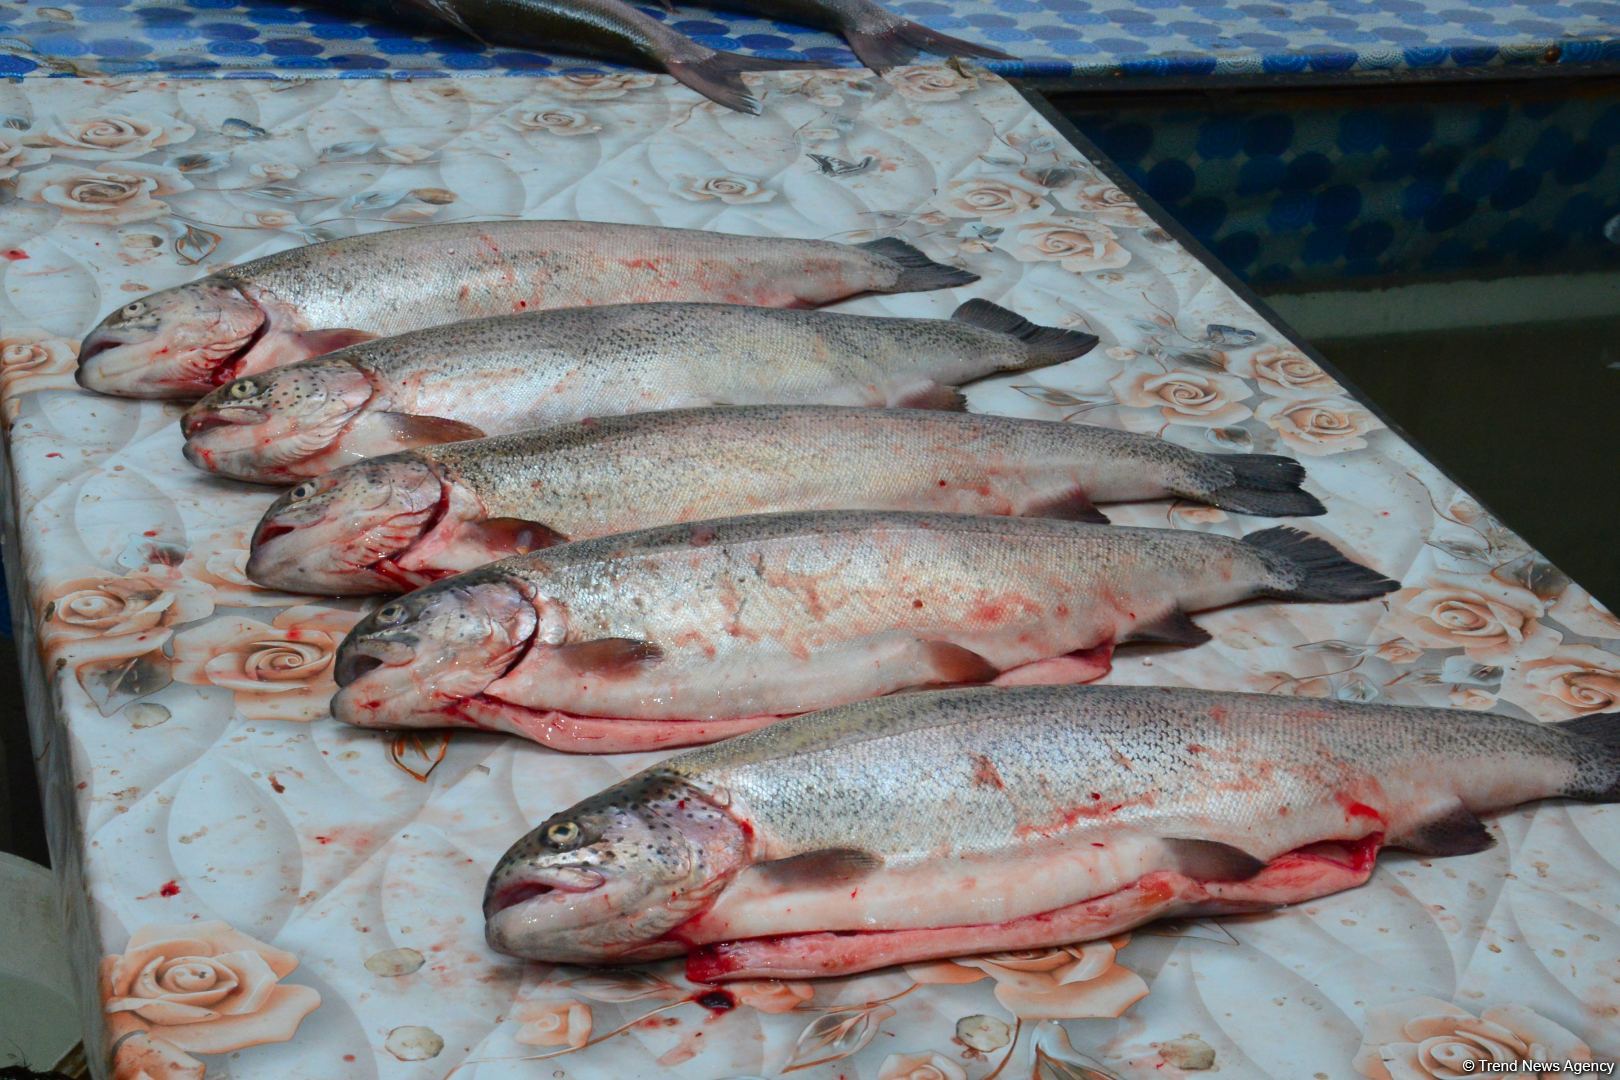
column 1317, row 195
column 1055, row 38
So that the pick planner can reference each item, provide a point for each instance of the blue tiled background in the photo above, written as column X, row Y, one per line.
column 1357, row 189
column 1055, row 38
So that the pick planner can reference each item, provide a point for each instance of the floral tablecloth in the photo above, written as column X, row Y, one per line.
column 255, row 891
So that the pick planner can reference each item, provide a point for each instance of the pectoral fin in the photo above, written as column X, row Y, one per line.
column 953, row 664
column 1171, row 628
column 1211, row 860
column 946, row 398
column 609, row 657
column 514, row 535
column 321, row 342
column 825, row 867
column 412, row 431
column 1073, row 506
column 1454, row 831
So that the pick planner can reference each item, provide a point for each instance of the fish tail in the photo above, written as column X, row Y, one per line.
column 718, row 77
column 883, row 47
column 1264, row 484
column 918, row 273
column 1308, row 568
column 1598, row 752
column 1045, row 344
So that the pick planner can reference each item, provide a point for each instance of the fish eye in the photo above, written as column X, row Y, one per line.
column 563, row 834
column 243, row 388
column 302, row 491
column 389, row 614
column 134, row 308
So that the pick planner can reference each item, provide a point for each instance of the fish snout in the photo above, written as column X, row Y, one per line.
column 358, row 657
column 536, row 881
column 195, row 421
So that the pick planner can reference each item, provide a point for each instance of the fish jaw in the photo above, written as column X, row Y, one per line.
column 177, row 343
column 278, row 426
column 408, row 662
column 1299, row 875
column 575, row 734
column 345, row 533
column 607, row 880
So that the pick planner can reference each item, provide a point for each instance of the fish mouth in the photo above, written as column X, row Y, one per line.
column 358, row 658
column 269, row 532
column 538, row 882
column 193, row 424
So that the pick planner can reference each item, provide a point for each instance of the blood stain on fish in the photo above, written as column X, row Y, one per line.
column 16, row 254
column 985, row 774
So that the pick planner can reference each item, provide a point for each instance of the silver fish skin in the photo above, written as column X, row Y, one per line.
column 878, row 36
column 504, row 374
column 186, row 341
column 690, row 633
column 400, row 521
column 890, row 831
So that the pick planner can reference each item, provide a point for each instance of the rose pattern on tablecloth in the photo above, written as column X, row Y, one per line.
column 1429, row 1039
column 1068, row 983
column 276, row 671
column 374, row 859
column 200, row 988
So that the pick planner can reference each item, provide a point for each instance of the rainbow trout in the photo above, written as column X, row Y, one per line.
column 397, row 522
column 188, row 340
column 691, row 633
column 893, row 831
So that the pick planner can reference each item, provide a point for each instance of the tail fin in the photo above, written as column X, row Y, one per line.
column 1598, row 778
column 1313, row 570
column 918, row 273
column 718, row 76
column 881, row 48
column 1046, row 344
column 1264, row 484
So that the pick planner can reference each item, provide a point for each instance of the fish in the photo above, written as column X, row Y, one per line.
column 186, row 341
column 880, row 38
column 892, row 831
column 689, row 633
column 400, row 521
column 504, row 374
column 614, row 30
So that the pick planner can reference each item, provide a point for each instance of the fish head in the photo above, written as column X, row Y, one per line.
column 177, row 343
column 607, row 879
column 339, row 533
column 410, row 661
column 268, row 425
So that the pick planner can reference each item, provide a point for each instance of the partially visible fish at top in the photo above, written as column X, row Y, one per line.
column 878, row 36
column 614, row 30
column 185, row 341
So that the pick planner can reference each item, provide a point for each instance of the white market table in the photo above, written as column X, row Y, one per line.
column 202, row 804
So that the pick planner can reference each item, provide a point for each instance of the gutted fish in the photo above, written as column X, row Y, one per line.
column 893, row 831
column 397, row 522
column 185, row 341
column 879, row 37
column 504, row 374
column 690, row 633
column 612, row 29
